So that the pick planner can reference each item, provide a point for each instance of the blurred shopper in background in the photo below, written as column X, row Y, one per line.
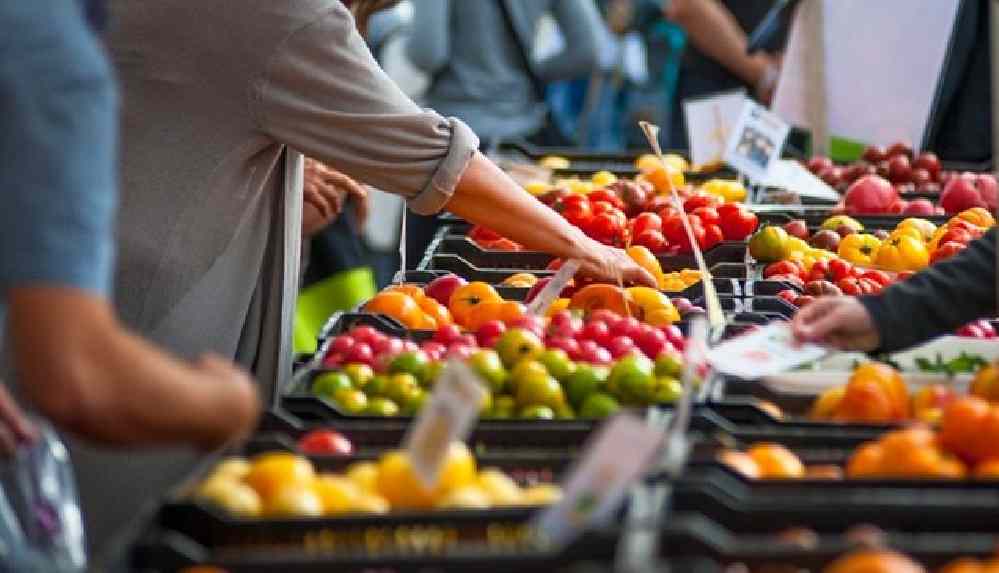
column 216, row 92
column 480, row 57
column 716, row 58
column 72, row 360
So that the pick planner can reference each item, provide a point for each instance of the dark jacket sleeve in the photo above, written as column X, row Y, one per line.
column 939, row 299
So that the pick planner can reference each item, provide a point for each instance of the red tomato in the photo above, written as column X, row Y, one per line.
column 577, row 213
column 651, row 239
column 712, row 236
column 850, row 286
column 480, row 233
column 657, row 202
column 708, row 215
column 820, row 271
column 608, row 227
column 782, row 268
column 737, row 223
column 905, row 275
column 325, row 443
column 947, row 250
column 840, row 269
column 606, row 195
column 599, row 207
column 646, row 222
column 673, row 230
column 700, row 200
column 956, row 235
column 880, row 277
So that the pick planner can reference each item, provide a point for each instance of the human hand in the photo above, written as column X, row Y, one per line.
column 838, row 321
column 766, row 71
column 608, row 263
column 15, row 428
column 240, row 422
column 325, row 193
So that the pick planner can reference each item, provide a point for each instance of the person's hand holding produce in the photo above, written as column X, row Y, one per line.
column 840, row 321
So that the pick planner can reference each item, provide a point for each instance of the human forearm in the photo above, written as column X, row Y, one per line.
column 713, row 30
column 938, row 299
column 93, row 378
column 487, row 196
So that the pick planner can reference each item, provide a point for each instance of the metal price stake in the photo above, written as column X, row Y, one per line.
column 551, row 291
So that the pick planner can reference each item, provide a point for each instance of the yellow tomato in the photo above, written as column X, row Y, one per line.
column 925, row 228
column 364, row 475
column 729, row 190
column 398, row 483
column 603, row 178
column 336, row 493
column 294, row 500
column 500, row 488
column 231, row 495
column 272, row 471
column 665, row 178
column 795, row 245
column 537, row 188
column 554, row 162
column 580, row 187
column 558, row 306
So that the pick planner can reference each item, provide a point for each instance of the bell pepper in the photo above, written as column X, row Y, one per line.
column 977, row 216
column 903, row 253
column 654, row 307
column 907, row 232
column 859, row 248
column 795, row 245
column 926, row 228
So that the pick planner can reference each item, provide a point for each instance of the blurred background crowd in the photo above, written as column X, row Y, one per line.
column 555, row 73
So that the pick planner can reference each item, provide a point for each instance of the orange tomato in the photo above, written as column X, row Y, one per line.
column 776, row 462
column 465, row 301
column 965, row 565
column 399, row 306
column 603, row 296
column 435, row 310
column 272, row 471
column 986, row 383
column 411, row 290
column 874, row 562
column 740, row 463
column 505, row 311
column 827, row 404
column 929, row 401
column 987, row 470
column 891, row 381
column 866, row 461
column 964, row 431
column 865, row 401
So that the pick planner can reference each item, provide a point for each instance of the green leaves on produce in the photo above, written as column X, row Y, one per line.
column 964, row 364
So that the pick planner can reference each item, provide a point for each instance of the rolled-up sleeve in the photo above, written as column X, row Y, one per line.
column 325, row 95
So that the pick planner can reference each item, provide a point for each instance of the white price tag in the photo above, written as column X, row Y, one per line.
column 791, row 175
column 448, row 417
column 764, row 352
column 614, row 458
column 756, row 142
column 710, row 121
column 544, row 299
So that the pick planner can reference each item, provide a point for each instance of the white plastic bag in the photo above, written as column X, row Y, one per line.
column 41, row 527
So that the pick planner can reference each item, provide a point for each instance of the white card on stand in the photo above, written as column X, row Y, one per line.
column 766, row 351
column 710, row 122
column 755, row 144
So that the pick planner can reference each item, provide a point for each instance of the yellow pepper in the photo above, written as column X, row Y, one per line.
column 859, row 248
column 558, row 306
column 795, row 245
column 926, row 228
column 645, row 259
column 690, row 276
column 730, row 190
column 672, row 283
column 977, row 216
column 907, row 232
column 654, row 307
column 903, row 253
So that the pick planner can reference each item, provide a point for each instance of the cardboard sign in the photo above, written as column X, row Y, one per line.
column 448, row 417
column 791, row 175
column 615, row 457
column 764, row 352
column 710, row 122
column 756, row 142
column 544, row 299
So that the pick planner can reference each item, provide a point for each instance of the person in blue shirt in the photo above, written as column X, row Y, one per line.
column 72, row 360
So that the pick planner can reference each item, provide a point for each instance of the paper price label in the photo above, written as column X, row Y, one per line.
column 756, row 142
column 792, row 176
column 543, row 301
column 614, row 458
column 710, row 122
column 764, row 352
column 448, row 417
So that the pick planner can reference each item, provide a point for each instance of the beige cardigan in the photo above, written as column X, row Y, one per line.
column 214, row 93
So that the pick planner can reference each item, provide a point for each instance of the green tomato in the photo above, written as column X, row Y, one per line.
column 350, row 400
column 586, row 380
column 382, row 407
column 413, row 363
column 537, row 412
column 360, row 374
column 327, row 384
column 599, row 405
column 487, row 364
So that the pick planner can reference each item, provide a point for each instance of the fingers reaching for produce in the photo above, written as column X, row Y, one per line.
column 325, row 192
column 615, row 265
column 15, row 429
column 841, row 322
